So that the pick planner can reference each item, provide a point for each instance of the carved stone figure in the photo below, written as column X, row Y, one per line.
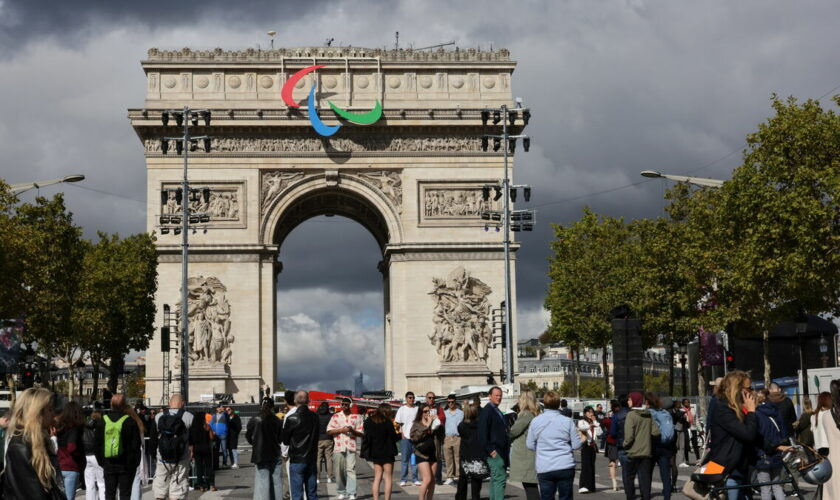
column 348, row 144
column 461, row 324
column 454, row 203
column 273, row 183
column 223, row 205
column 210, row 338
column 389, row 182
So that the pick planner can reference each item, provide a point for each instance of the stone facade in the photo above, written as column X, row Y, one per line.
column 412, row 179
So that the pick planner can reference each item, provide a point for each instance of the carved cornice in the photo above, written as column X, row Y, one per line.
column 219, row 55
column 394, row 117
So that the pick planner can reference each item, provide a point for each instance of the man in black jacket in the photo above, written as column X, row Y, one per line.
column 300, row 434
column 121, row 466
column 264, row 434
column 494, row 437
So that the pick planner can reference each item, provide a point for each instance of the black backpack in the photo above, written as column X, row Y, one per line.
column 172, row 436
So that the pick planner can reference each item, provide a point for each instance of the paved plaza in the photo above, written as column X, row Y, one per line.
column 239, row 484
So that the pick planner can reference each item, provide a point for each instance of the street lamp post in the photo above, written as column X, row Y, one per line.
column 524, row 219
column 26, row 186
column 801, row 325
column 697, row 181
column 683, row 349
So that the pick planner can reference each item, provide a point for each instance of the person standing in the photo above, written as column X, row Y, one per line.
column 784, row 406
column 325, row 441
column 300, row 434
column 4, row 424
column 438, row 434
column 664, row 447
column 590, row 433
column 291, row 408
column 771, row 444
column 689, row 438
column 554, row 438
column 610, row 446
column 425, row 453
column 473, row 466
column 71, row 449
column 494, row 436
column 820, row 441
column 219, row 424
column 31, row 467
column 118, row 443
column 827, row 436
column 379, row 446
column 345, row 427
column 202, row 437
column 617, row 433
column 94, row 475
column 564, row 408
column 405, row 419
column 522, row 468
column 264, row 435
column 452, row 440
column 234, row 429
column 174, row 450
column 639, row 430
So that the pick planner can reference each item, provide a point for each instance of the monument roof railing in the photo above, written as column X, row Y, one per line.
column 252, row 55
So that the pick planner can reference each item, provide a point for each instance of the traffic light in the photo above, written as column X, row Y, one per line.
column 730, row 360
column 28, row 378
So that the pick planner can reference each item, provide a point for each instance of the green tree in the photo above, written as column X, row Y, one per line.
column 591, row 388
column 781, row 216
column 14, row 245
column 591, row 270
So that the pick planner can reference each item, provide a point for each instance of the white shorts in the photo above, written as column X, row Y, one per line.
column 172, row 480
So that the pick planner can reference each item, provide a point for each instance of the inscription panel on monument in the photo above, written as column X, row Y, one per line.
column 227, row 206
column 453, row 203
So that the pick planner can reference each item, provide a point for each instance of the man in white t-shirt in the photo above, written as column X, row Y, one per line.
column 405, row 417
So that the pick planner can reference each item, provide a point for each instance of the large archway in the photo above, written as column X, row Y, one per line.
column 413, row 180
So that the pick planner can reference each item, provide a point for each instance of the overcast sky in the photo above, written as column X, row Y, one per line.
column 616, row 87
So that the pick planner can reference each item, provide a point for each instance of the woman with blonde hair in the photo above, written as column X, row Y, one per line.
column 31, row 465
column 522, row 459
column 820, row 441
column 735, row 428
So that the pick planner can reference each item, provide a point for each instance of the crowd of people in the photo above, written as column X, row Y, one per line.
column 49, row 454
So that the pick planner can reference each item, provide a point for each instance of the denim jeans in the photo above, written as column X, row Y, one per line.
column 664, row 463
column 406, row 450
column 556, row 482
column 71, row 482
column 221, row 447
column 736, row 479
column 233, row 454
column 267, row 478
column 622, row 459
column 303, row 476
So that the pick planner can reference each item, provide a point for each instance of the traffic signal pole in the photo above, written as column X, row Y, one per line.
column 506, row 229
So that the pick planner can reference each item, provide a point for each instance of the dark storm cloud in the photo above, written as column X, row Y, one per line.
column 73, row 22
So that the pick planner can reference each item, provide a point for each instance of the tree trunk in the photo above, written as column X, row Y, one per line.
column 701, row 381
column 96, row 363
column 71, row 379
column 577, row 372
column 606, row 368
column 765, row 343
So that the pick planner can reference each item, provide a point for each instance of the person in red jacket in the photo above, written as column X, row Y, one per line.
column 71, row 450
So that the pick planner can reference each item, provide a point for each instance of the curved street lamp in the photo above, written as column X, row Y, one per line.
column 26, row 186
column 697, row 181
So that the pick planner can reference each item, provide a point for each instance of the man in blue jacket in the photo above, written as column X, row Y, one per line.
column 617, row 433
column 494, row 437
column 219, row 424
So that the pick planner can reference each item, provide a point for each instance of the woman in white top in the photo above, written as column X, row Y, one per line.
column 590, row 432
column 823, row 404
column 827, row 435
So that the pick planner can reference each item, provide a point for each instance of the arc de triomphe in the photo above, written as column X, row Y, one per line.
column 413, row 179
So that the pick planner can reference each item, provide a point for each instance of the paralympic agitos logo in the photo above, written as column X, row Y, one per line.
column 323, row 129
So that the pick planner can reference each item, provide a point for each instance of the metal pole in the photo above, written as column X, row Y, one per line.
column 803, row 368
column 506, row 223
column 185, row 321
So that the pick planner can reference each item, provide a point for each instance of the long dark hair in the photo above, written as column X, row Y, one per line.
column 420, row 409
column 383, row 413
column 267, row 408
column 71, row 417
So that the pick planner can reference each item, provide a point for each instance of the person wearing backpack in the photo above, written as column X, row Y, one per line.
column 118, row 451
column 639, row 431
column 174, row 450
column 665, row 446
column 772, row 442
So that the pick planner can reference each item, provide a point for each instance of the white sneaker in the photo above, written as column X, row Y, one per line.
column 417, row 483
column 341, row 497
column 352, row 497
column 402, row 483
column 234, row 466
column 684, row 465
column 329, row 480
column 583, row 490
column 449, row 482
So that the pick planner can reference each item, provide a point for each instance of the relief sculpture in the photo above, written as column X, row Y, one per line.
column 341, row 144
column 462, row 330
column 210, row 338
column 273, row 183
column 454, row 203
column 389, row 183
column 224, row 205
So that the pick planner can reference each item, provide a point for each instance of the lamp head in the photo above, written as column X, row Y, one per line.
column 653, row 174
column 74, row 178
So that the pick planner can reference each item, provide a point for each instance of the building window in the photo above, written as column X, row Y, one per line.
column 533, row 368
column 556, row 385
column 545, row 385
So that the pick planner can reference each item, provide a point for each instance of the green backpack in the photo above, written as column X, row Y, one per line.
column 113, row 432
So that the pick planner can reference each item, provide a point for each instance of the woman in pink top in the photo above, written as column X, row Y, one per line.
column 690, row 439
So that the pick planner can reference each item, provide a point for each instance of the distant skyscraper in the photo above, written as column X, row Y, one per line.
column 359, row 385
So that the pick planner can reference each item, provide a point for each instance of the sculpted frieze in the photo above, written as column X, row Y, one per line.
column 387, row 181
column 225, row 205
column 208, row 310
column 274, row 182
column 461, row 317
column 341, row 144
column 454, row 203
